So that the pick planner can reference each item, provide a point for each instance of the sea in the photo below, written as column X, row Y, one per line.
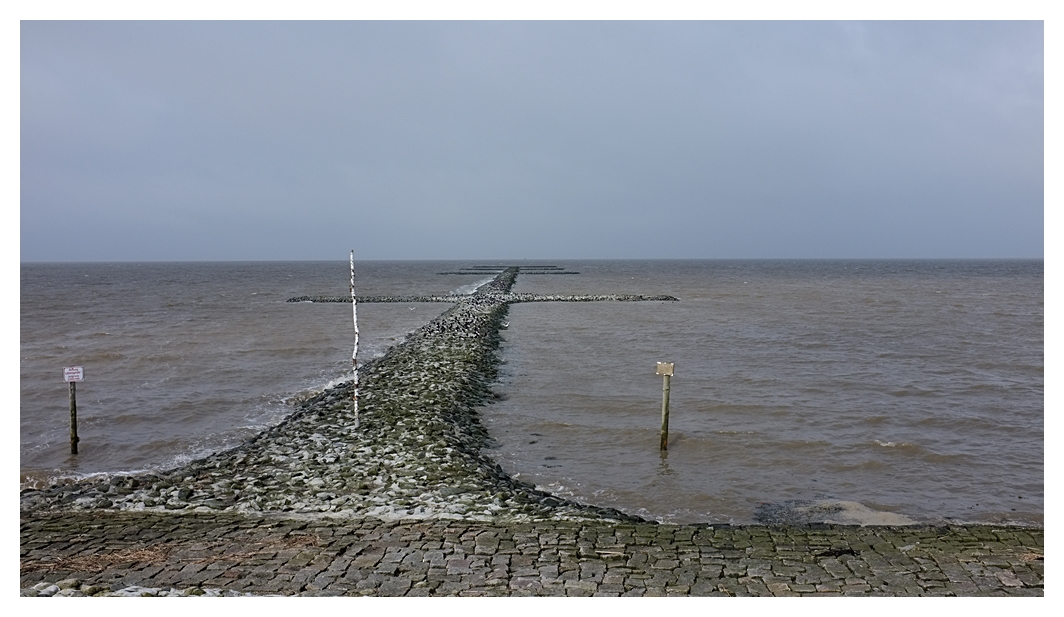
column 909, row 387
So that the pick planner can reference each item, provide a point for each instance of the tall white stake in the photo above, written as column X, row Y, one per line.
column 354, row 354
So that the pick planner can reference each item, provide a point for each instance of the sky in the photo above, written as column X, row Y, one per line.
column 158, row 141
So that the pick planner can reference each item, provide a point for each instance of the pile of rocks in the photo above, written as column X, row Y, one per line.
column 362, row 299
column 416, row 454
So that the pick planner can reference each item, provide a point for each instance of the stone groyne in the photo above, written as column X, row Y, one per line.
column 416, row 455
column 508, row 298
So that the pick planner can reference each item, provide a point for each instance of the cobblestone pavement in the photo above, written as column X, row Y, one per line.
column 126, row 553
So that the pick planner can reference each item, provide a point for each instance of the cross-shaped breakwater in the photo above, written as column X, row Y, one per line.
column 499, row 291
column 417, row 454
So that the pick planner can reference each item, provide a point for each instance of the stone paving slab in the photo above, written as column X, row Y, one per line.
column 147, row 553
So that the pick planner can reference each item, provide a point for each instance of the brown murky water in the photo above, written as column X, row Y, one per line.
column 906, row 387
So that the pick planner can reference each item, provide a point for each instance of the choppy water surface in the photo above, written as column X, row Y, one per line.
column 184, row 359
column 913, row 387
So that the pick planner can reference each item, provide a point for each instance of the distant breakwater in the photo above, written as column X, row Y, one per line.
column 418, row 453
column 508, row 298
column 523, row 271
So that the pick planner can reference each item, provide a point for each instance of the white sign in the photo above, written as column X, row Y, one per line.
column 74, row 373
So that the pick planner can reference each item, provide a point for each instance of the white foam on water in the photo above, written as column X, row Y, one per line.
column 850, row 513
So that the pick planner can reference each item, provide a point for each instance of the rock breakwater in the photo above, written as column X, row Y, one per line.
column 417, row 454
column 374, row 299
column 508, row 298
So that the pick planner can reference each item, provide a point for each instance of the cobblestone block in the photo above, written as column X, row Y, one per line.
column 559, row 558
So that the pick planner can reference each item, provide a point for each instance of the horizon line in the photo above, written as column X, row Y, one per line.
column 509, row 260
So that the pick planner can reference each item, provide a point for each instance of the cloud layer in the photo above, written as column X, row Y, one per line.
column 464, row 140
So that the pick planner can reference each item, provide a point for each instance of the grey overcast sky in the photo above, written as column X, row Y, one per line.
column 492, row 140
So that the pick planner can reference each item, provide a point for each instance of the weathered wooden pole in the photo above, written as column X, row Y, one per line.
column 665, row 369
column 72, row 375
column 354, row 354
column 73, row 419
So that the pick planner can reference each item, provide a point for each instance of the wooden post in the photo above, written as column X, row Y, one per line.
column 73, row 420
column 354, row 354
column 72, row 374
column 665, row 369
